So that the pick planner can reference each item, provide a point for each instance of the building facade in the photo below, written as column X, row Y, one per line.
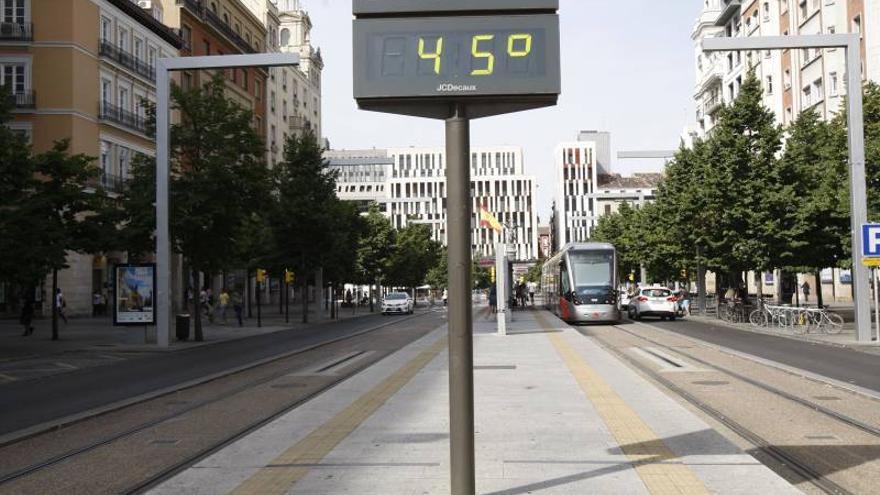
column 614, row 190
column 793, row 80
column 409, row 184
column 293, row 94
column 577, row 178
column 84, row 70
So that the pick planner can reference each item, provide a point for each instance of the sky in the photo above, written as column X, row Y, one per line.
column 627, row 67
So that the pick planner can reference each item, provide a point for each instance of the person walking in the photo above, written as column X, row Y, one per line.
column 96, row 303
column 238, row 306
column 60, row 304
column 27, row 312
column 532, row 287
column 493, row 300
column 806, row 289
column 224, row 304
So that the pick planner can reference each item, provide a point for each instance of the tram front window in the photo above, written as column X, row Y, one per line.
column 593, row 274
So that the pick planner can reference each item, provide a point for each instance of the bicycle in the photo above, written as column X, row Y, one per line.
column 733, row 312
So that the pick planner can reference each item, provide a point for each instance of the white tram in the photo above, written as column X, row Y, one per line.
column 580, row 283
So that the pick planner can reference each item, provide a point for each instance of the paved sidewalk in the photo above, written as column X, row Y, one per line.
column 87, row 342
column 555, row 413
column 846, row 338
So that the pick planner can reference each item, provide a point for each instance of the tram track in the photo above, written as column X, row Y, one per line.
column 190, row 459
column 792, row 462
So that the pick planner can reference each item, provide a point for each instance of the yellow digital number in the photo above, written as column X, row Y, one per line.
column 490, row 58
column 432, row 56
column 511, row 45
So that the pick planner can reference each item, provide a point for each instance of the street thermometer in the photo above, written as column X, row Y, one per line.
column 457, row 60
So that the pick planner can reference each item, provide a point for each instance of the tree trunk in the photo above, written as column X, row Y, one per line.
column 819, row 299
column 701, row 283
column 305, row 300
column 54, row 304
column 370, row 294
column 248, row 287
column 197, row 306
column 759, row 286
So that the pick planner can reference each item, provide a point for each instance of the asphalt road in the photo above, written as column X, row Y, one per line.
column 33, row 402
column 838, row 363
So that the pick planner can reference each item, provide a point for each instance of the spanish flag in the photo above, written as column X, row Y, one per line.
column 488, row 220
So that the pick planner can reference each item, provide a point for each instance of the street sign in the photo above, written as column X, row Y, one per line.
column 134, row 294
column 871, row 240
column 872, row 262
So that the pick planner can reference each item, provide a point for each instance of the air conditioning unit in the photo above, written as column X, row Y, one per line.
column 145, row 4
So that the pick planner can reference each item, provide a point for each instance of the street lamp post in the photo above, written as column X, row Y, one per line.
column 164, row 66
column 856, row 131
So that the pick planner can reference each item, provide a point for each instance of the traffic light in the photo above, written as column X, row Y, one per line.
column 492, row 274
column 289, row 278
column 632, row 276
column 261, row 275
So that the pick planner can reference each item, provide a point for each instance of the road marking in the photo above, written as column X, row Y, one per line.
column 7, row 378
column 292, row 465
column 659, row 468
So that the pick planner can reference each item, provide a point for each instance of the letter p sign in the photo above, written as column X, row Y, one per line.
column 871, row 240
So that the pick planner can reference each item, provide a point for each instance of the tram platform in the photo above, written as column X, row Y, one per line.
column 555, row 414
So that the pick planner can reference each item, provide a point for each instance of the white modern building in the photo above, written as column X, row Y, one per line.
column 293, row 94
column 793, row 80
column 410, row 185
column 577, row 179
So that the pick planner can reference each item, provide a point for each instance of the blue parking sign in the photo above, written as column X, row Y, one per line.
column 871, row 240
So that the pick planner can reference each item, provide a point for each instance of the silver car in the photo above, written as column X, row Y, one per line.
column 397, row 303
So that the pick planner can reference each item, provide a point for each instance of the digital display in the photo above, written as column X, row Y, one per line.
column 361, row 7
column 460, row 56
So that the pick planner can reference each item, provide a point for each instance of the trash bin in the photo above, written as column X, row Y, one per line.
column 182, row 327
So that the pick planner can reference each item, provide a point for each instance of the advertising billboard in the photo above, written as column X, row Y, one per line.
column 134, row 286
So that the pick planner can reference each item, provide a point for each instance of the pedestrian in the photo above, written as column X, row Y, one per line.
column 806, row 289
column 532, row 287
column 224, row 304
column 206, row 297
column 445, row 297
column 60, row 304
column 684, row 302
column 105, row 300
column 96, row 303
column 238, row 305
column 348, row 297
column 493, row 300
column 27, row 312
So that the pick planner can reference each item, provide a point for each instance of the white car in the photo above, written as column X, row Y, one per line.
column 397, row 303
column 654, row 301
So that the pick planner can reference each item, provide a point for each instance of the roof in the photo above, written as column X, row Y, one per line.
column 637, row 181
column 142, row 16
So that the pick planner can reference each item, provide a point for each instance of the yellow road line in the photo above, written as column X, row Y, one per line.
column 654, row 462
column 290, row 467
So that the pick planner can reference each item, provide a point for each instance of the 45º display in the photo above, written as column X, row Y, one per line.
column 503, row 55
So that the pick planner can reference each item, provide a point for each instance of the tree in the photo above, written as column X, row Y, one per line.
column 218, row 181
column 438, row 275
column 415, row 252
column 375, row 248
column 536, row 272
column 305, row 210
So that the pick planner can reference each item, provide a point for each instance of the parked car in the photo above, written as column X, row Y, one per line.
column 397, row 303
column 654, row 301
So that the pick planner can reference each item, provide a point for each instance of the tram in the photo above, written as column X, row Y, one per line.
column 580, row 283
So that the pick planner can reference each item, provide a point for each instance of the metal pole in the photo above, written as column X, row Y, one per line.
column 163, row 236
column 500, row 284
column 858, row 194
column 877, row 301
column 461, row 357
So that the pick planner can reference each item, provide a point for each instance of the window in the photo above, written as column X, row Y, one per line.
column 272, row 101
column 123, row 162
column 819, row 89
column 13, row 77
column 808, row 96
column 106, row 91
column 139, row 49
column 770, row 84
column 285, row 37
column 123, row 39
column 186, row 34
column 857, row 25
column 207, row 46
column 106, row 166
column 766, row 10
column 123, row 98
column 187, row 81
column 258, row 90
column 151, row 57
column 832, row 84
column 244, row 79
column 786, row 78
column 803, row 10
column 106, row 29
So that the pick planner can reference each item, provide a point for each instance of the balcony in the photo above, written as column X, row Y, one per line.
column 113, row 183
column 16, row 31
column 728, row 9
column 127, row 60
column 197, row 7
column 23, row 100
column 711, row 104
column 296, row 123
column 118, row 115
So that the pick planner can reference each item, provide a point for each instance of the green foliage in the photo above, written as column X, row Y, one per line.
column 415, row 252
column 535, row 272
column 375, row 247
column 438, row 275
